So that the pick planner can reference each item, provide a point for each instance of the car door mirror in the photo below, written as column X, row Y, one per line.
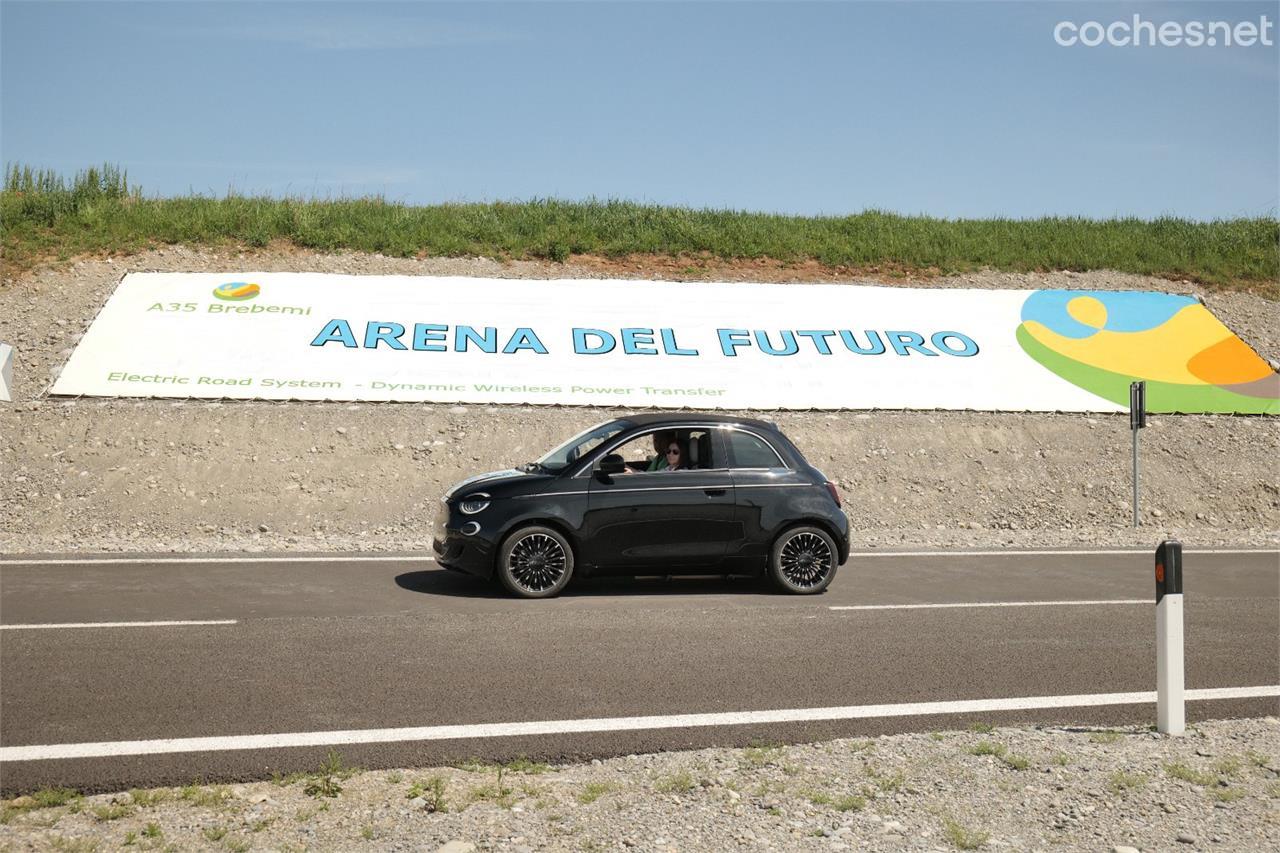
column 612, row 464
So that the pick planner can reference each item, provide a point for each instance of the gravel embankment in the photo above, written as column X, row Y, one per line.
column 128, row 475
column 1041, row 789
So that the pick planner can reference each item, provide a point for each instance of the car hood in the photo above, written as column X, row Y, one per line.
column 492, row 480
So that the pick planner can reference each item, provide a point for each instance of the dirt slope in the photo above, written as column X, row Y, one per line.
column 161, row 475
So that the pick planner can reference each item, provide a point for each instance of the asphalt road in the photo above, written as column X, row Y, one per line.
column 337, row 645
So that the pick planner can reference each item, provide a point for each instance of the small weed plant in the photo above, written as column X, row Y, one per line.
column 850, row 803
column 678, row 783
column 988, row 747
column 1225, row 794
column 325, row 781
column 961, row 837
column 1122, row 781
column 593, row 791
column 432, row 791
column 111, row 811
column 214, row 833
column 1183, row 773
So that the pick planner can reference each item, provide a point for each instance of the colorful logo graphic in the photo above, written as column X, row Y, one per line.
column 1102, row 341
column 236, row 291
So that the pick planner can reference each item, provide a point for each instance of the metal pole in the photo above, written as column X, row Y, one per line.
column 1137, row 420
column 1135, row 477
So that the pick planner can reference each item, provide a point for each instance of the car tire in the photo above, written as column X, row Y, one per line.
column 803, row 560
column 535, row 562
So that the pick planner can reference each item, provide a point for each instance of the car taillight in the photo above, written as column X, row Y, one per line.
column 835, row 495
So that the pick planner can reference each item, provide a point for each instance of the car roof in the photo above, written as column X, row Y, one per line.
column 677, row 418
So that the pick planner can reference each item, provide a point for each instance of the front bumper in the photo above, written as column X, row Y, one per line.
column 471, row 554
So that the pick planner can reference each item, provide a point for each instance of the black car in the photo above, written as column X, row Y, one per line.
column 737, row 497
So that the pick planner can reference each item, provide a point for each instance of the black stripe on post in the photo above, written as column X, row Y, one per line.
column 1168, row 569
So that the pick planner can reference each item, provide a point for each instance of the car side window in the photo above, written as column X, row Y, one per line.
column 647, row 452
column 750, row 451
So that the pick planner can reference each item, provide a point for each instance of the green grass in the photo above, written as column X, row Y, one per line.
column 212, row 797
column 818, row 798
column 432, row 791
column 849, row 803
column 1189, row 774
column 986, row 747
column 112, row 811
column 961, row 837
column 1226, row 795
column 214, row 833
column 524, row 765
column 593, row 791
column 1104, row 736
column 1122, row 781
column 890, row 783
column 46, row 216
column 679, row 783
column 151, row 797
column 495, row 793
column 325, row 781
column 760, row 754
column 1229, row 766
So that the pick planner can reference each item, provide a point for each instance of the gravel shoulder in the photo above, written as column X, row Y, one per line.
column 126, row 475
column 999, row 789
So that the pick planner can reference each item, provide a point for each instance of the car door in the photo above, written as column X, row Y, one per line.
column 664, row 522
column 766, row 489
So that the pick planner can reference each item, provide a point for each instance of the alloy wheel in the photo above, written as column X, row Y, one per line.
column 537, row 562
column 806, row 560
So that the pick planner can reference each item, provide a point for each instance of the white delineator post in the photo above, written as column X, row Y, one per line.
column 1171, row 709
column 6, row 373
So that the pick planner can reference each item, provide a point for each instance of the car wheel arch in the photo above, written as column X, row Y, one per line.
column 555, row 524
column 820, row 523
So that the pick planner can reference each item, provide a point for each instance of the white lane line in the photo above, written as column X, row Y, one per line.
column 356, row 558
column 1013, row 553
column 1147, row 601
column 606, row 724
column 164, row 624
column 163, row 561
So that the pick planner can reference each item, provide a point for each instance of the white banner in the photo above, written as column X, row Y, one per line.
column 642, row 344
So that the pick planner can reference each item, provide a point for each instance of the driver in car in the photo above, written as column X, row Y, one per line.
column 661, row 441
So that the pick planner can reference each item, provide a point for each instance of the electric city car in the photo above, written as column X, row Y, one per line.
column 650, row 494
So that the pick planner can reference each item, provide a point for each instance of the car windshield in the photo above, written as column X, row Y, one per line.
column 579, row 445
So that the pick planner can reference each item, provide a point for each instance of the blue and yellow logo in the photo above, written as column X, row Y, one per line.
column 1102, row 341
column 236, row 291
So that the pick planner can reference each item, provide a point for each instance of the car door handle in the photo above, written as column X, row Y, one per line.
column 714, row 493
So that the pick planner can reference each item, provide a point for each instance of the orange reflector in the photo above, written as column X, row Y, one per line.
column 1159, row 572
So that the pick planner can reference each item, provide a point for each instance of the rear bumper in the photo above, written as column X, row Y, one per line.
column 842, row 541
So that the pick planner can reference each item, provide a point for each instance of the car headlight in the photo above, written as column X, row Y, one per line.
column 472, row 504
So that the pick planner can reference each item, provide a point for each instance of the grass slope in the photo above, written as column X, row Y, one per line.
column 45, row 216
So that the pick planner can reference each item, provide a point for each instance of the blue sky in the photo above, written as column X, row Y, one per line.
column 950, row 109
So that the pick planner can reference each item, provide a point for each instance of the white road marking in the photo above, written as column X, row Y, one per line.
column 163, row 624
column 607, row 724
column 1147, row 601
column 1098, row 552
column 356, row 558
column 169, row 561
